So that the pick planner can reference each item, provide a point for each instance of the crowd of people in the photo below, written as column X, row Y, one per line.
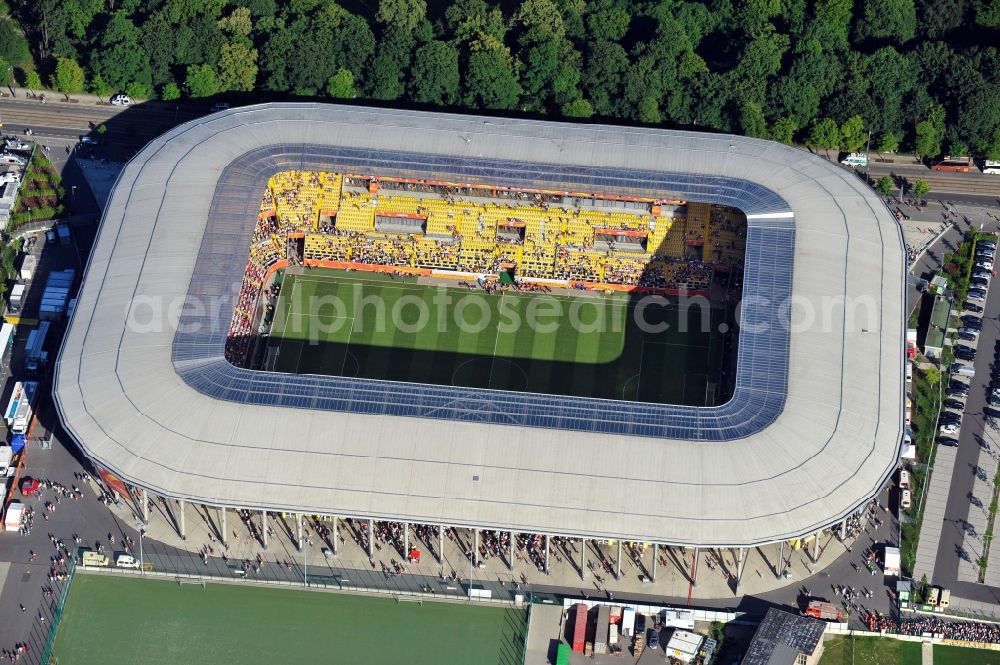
column 969, row 631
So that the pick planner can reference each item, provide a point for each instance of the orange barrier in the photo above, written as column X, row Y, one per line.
column 267, row 213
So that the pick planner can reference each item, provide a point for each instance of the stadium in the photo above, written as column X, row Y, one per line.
column 187, row 373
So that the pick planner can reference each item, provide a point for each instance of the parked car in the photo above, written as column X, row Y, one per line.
column 958, row 390
column 977, row 296
column 654, row 638
column 121, row 100
column 986, row 263
column 980, row 281
column 972, row 307
column 968, row 336
column 948, row 441
column 963, row 352
column 89, row 140
column 906, row 500
column 973, row 324
column 953, row 404
column 949, row 428
column 969, row 331
column 126, row 561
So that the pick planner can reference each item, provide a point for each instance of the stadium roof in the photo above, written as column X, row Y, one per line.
column 813, row 430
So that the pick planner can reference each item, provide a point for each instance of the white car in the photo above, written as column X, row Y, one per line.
column 949, row 428
column 907, row 499
column 126, row 561
column 121, row 100
column 985, row 264
column 89, row 140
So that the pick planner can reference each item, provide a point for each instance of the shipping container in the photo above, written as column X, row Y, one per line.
column 580, row 627
column 601, row 630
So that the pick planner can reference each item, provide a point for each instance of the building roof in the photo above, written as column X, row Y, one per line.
column 813, row 430
column 937, row 328
column 781, row 637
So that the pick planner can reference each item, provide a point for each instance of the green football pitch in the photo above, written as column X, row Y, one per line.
column 612, row 346
column 119, row 621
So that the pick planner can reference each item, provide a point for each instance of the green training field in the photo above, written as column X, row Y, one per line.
column 119, row 621
column 591, row 345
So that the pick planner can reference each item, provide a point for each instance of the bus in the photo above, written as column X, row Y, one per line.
column 991, row 167
column 959, row 164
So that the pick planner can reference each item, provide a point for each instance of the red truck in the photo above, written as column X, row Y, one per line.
column 820, row 609
column 580, row 627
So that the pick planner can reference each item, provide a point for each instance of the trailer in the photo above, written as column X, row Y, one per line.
column 7, row 332
column 21, row 408
column 628, row 622
column 17, row 297
column 892, row 561
column 601, row 631
column 62, row 231
column 28, row 266
column 579, row 627
column 35, row 356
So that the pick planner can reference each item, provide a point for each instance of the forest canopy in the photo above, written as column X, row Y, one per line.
column 922, row 75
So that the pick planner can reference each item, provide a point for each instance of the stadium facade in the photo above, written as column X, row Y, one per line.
column 812, row 433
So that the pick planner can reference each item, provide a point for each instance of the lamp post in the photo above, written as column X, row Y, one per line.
column 142, row 566
column 868, row 147
column 305, row 565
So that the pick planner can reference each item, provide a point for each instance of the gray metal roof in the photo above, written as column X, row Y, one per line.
column 782, row 636
column 813, row 431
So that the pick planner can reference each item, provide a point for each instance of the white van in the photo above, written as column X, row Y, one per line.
column 945, row 601
column 855, row 159
column 904, row 479
column 12, row 159
column 907, row 500
column 126, row 561
column 933, row 598
column 991, row 167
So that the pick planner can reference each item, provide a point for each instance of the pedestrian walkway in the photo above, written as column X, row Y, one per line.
column 936, row 504
column 715, row 573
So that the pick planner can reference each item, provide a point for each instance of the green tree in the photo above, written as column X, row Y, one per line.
column 754, row 15
column 893, row 20
column 930, row 133
column 920, row 189
column 468, row 20
column 992, row 150
column 578, row 108
column 541, row 15
column 99, row 87
column 752, row 120
column 885, row 185
column 159, row 39
column 171, row 92
column 648, row 111
column 237, row 67
column 138, row 90
column 889, row 142
column 68, row 77
column 201, row 80
column 120, row 59
column 853, row 134
column 602, row 76
column 13, row 45
column 341, row 85
column 609, row 24
column 824, row 134
column 987, row 13
column 401, row 14
column 32, row 81
column 490, row 80
column 434, row 75
column 760, row 60
column 239, row 23
column 833, row 21
column 783, row 130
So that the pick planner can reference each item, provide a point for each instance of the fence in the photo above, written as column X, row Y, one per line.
column 57, row 613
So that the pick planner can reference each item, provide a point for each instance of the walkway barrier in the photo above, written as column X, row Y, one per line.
column 57, row 614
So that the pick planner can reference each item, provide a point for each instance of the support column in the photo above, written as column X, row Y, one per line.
column 843, row 529
column 618, row 569
column 335, row 541
column 655, row 552
column 298, row 530
column 371, row 539
column 781, row 560
column 263, row 528
column 739, row 568
column 475, row 547
column 694, row 567
column 225, row 532
column 510, row 553
column 441, row 545
column 406, row 540
column 546, row 554
column 583, row 558
column 182, row 531
column 816, row 548
column 145, row 507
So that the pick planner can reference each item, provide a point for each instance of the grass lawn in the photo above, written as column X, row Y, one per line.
column 949, row 655
column 870, row 651
column 612, row 346
column 119, row 621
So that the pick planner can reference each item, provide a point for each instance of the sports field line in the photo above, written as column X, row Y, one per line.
column 347, row 349
column 496, row 343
